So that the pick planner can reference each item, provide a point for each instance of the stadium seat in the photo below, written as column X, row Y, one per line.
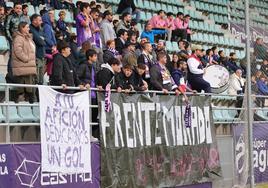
column 4, row 46
column 169, row 46
column 36, row 112
column 13, row 113
column 175, row 46
column 9, row 4
column 2, row 117
column 31, row 10
column 217, row 115
column 25, row 112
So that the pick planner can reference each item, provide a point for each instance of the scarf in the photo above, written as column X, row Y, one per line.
column 188, row 116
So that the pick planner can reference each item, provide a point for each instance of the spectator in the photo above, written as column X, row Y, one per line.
column 170, row 64
column 26, row 17
column 74, row 57
column 96, row 29
column 123, row 79
column 121, row 40
column 231, row 64
column 222, row 58
column 262, row 85
column 62, row 26
column 160, row 77
column 2, row 20
column 106, row 26
column 209, row 58
column 158, row 22
column 87, row 74
column 146, row 59
column 39, row 40
column 107, row 74
column 110, row 52
column 129, row 56
column 139, row 47
column 149, row 33
column 186, row 22
column 180, row 68
column 170, row 24
column 124, row 23
column 48, row 31
column 63, row 72
column 196, row 71
column 83, row 24
column 179, row 32
column 13, row 21
column 76, row 10
column 236, row 86
column 215, row 54
column 115, row 24
column 82, row 53
column 130, row 7
column 183, row 46
column 262, row 89
column 23, row 60
column 264, row 67
column 260, row 51
column 138, row 73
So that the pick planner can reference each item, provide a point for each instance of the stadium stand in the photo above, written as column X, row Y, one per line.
column 208, row 23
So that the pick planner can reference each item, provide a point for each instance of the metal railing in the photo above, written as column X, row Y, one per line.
column 7, row 103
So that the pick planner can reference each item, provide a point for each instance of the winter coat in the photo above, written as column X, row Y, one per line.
column 39, row 40
column 105, row 76
column 123, row 4
column 123, row 82
column 63, row 72
column 48, row 32
column 23, row 55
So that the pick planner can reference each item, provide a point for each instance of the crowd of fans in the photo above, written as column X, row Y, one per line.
column 107, row 51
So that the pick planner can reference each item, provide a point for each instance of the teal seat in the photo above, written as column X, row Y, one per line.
column 233, row 113
column 139, row 3
column 2, row 117
column 169, row 46
column 73, row 30
column 4, row 46
column 217, row 115
column 36, row 112
column 226, row 115
column 25, row 112
column 206, row 38
column 175, row 46
column 9, row 4
column 31, row 10
column 169, row 8
column 152, row 5
column 164, row 7
column 13, row 113
column 143, row 16
column 158, row 6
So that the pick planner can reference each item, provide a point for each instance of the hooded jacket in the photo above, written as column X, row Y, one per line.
column 105, row 76
column 23, row 55
column 63, row 72
column 48, row 32
column 39, row 40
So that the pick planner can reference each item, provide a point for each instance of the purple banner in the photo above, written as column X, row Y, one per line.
column 260, row 148
column 238, row 30
column 20, row 166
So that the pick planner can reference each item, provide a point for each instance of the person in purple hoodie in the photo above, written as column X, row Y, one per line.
column 83, row 24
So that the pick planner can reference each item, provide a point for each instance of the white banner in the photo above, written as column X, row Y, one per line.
column 65, row 131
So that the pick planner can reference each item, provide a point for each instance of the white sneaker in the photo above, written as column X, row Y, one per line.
column 93, row 139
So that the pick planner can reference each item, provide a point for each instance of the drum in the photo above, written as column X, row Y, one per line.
column 218, row 77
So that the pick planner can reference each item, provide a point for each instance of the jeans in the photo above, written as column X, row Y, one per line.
column 137, row 13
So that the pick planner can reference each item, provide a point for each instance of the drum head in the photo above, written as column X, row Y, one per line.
column 218, row 77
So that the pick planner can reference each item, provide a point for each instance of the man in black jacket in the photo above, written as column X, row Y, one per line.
column 137, row 78
column 161, row 79
column 130, row 7
column 63, row 72
column 121, row 40
column 39, row 40
column 107, row 74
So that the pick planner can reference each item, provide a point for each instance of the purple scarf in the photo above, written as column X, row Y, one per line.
column 108, row 98
column 114, row 51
